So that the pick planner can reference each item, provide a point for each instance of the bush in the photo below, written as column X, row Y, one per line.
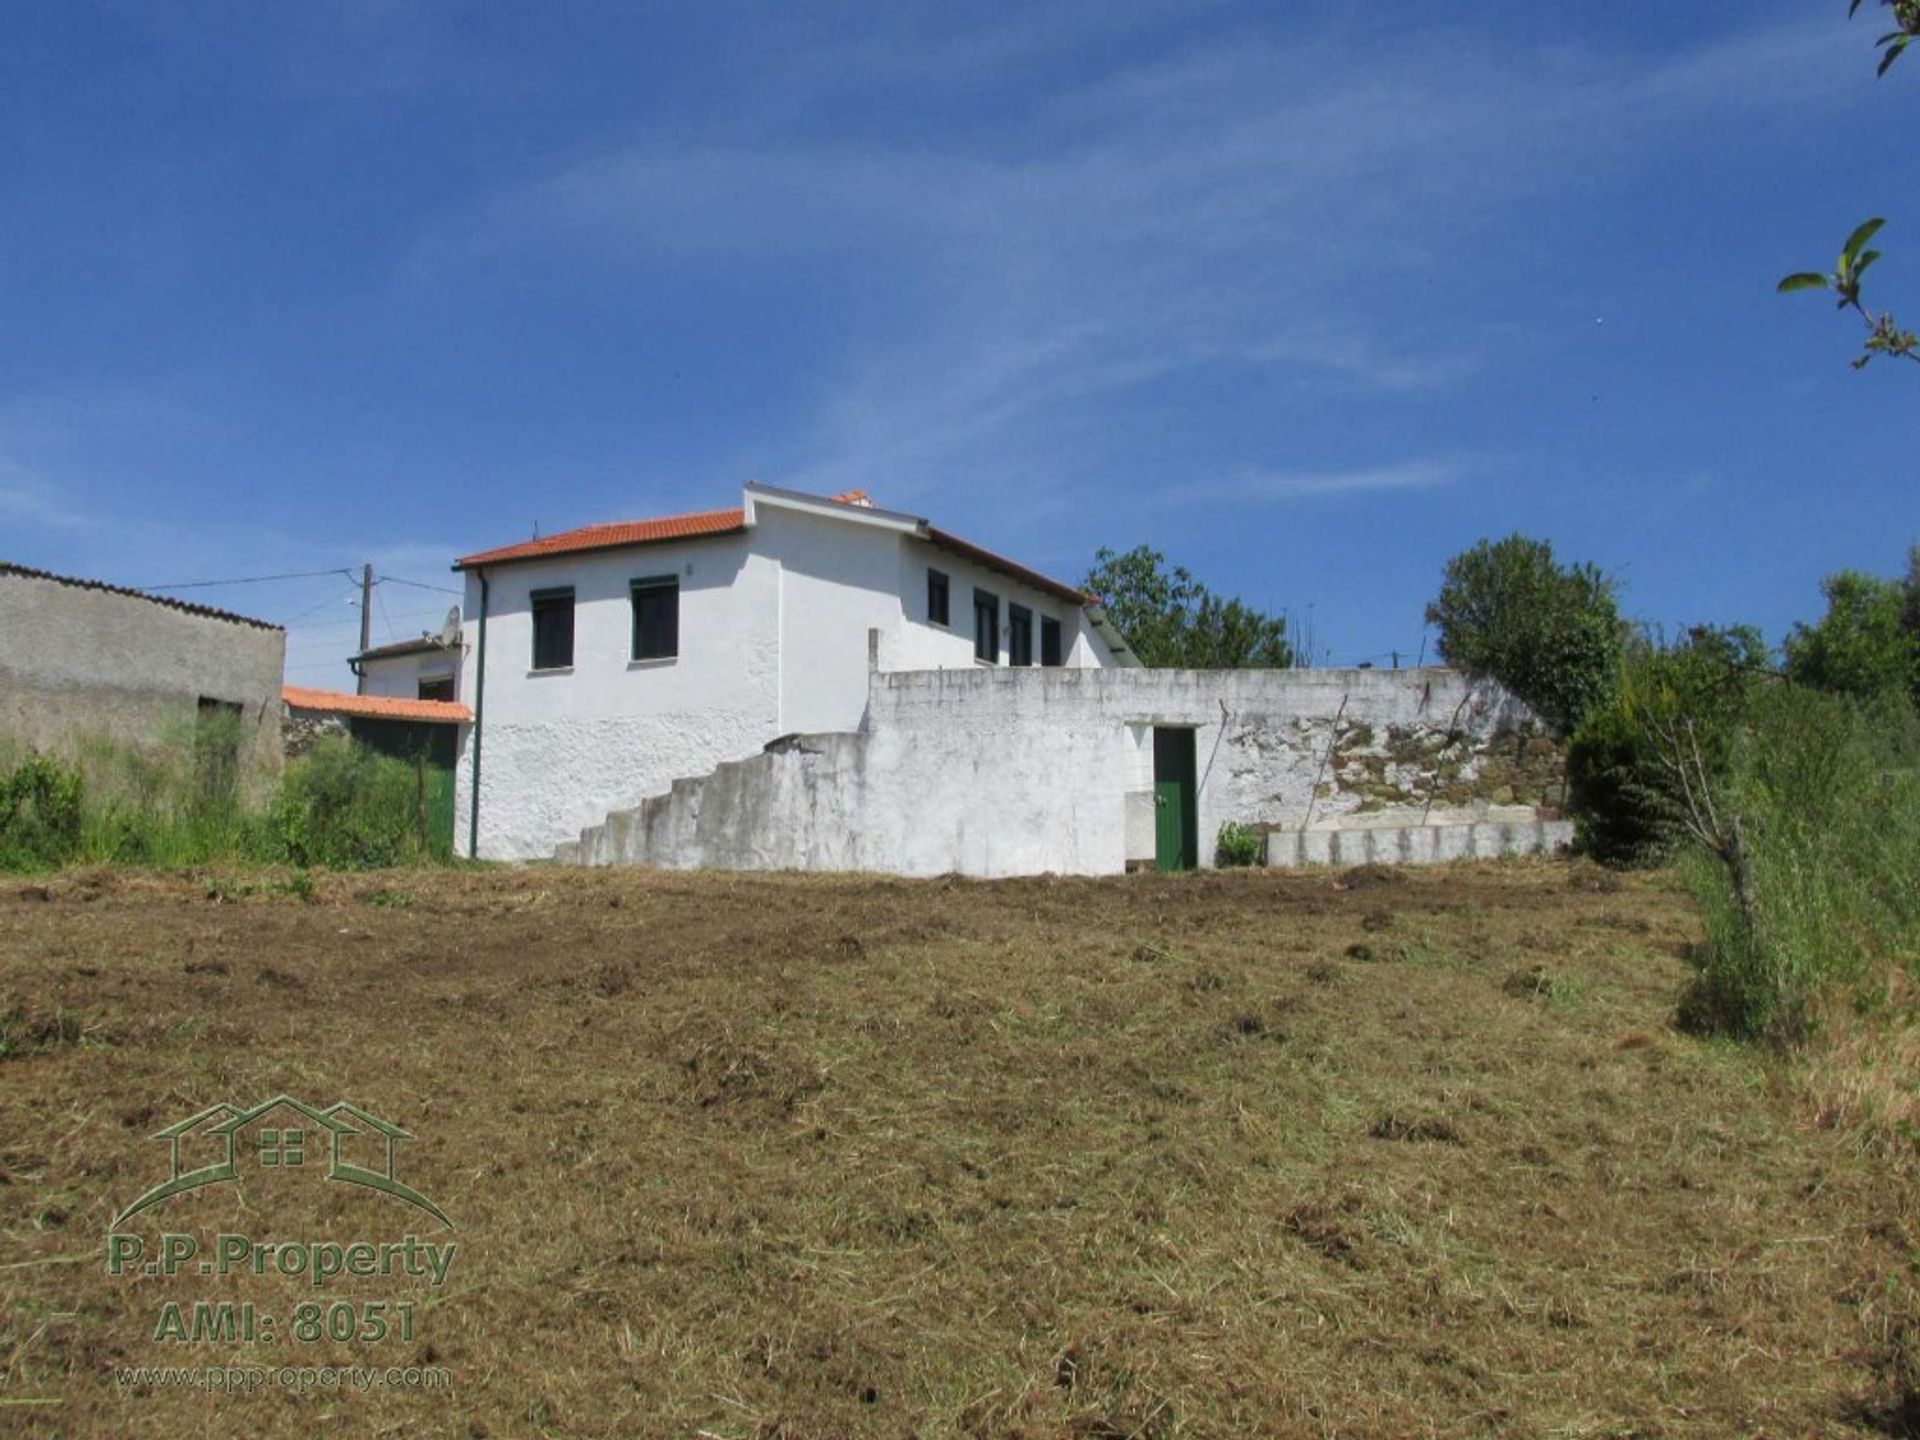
column 1238, row 845
column 1825, row 793
column 344, row 807
column 1621, row 787
column 1550, row 633
column 40, row 813
column 341, row 807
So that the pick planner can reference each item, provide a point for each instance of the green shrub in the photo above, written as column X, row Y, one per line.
column 1238, row 845
column 179, row 803
column 1825, row 792
column 344, row 807
column 1621, row 787
column 40, row 814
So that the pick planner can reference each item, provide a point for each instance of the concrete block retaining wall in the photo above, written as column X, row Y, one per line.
column 1417, row 844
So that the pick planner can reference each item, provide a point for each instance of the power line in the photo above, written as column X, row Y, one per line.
column 416, row 584
column 249, row 580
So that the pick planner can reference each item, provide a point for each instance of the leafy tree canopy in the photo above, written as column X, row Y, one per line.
column 1868, row 642
column 1550, row 633
column 1172, row 620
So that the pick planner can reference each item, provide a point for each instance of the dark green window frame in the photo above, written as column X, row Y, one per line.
column 552, row 628
column 1019, row 635
column 656, row 617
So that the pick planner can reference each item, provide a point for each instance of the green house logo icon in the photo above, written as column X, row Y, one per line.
column 355, row 1146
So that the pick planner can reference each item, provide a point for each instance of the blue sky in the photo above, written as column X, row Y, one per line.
column 1309, row 303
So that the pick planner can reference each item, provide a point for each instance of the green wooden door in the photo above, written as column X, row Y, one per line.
column 1176, row 819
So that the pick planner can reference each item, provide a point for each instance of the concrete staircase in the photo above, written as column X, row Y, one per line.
column 783, row 809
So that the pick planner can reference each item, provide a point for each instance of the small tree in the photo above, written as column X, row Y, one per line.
column 1623, row 789
column 1868, row 642
column 1550, row 633
column 1172, row 620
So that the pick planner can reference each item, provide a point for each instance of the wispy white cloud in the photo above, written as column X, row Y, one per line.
column 1256, row 484
column 1234, row 208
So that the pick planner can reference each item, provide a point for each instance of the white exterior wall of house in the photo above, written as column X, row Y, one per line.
column 559, row 748
column 926, row 646
column 774, row 627
column 399, row 676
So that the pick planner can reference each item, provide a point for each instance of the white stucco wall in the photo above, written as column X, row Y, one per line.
column 1011, row 772
column 924, row 645
column 399, row 676
column 560, row 749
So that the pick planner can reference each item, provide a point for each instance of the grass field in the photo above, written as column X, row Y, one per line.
column 780, row 1157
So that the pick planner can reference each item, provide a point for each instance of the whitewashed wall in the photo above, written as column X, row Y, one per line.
column 398, row 676
column 1013, row 772
column 560, row 749
column 924, row 645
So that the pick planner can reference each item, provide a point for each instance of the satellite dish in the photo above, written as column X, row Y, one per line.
column 450, row 628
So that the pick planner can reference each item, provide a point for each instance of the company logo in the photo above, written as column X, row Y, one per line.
column 356, row 1147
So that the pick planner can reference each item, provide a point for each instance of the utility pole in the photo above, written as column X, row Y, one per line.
column 366, row 625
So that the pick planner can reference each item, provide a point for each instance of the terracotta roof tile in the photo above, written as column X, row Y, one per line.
column 375, row 707
column 615, row 536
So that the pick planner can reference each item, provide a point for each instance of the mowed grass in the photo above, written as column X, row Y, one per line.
column 810, row 1156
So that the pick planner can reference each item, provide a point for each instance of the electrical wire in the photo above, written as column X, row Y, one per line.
column 416, row 584
column 249, row 580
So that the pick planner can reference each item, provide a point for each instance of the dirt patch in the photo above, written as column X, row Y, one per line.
column 773, row 1156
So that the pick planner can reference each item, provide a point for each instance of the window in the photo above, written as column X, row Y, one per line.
column 553, row 629
column 986, row 626
column 656, row 618
column 1050, row 642
column 937, row 598
column 440, row 687
column 1019, row 635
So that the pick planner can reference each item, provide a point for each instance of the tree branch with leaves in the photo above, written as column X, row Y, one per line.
column 1884, row 335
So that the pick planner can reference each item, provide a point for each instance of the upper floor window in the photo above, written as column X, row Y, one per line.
column 937, row 608
column 553, row 629
column 1019, row 635
column 656, row 618
column 439, row 687
column 1050, row 642
column 986, row 626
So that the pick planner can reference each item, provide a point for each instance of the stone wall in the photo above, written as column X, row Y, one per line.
column 1010, row 772
column 83, row 661
column 304, row 729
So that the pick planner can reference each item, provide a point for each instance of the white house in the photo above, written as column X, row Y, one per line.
column 604, row 663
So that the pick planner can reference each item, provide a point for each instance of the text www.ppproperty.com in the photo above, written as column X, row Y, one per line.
column 244, row 1379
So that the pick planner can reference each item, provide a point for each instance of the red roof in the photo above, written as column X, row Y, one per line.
column 375, row 707
column 727, row 522
column 615, row 536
